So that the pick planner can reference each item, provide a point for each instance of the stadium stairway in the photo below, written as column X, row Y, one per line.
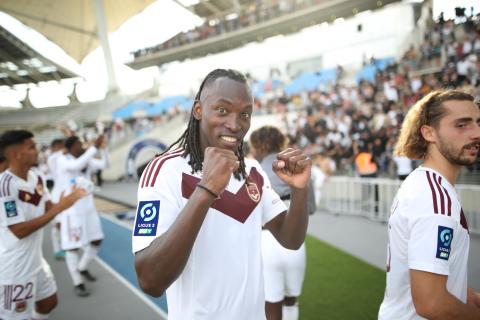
column 38, row 118
column 165, row 133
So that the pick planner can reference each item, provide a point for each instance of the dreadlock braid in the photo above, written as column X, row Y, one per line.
column 190, row 139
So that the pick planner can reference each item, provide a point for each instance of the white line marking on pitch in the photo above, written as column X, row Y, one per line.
column 130, row 286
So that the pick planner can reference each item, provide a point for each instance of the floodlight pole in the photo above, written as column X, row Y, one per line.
column 107, row 54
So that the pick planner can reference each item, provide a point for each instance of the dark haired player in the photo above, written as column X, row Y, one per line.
column 202, row 205
column 27, row 286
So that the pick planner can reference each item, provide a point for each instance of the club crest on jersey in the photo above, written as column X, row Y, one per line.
column 252, row 191
column 21, row 306
column 10, row 208
column 444, row 242
column 147, row 218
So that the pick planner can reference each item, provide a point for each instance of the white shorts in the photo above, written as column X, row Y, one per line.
column 77, row 229
column 17, row 300
column 283, row 269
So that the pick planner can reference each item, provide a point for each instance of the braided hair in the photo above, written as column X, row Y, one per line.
column 190, row 139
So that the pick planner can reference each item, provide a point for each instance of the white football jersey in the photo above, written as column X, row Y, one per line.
column 68, row 168
column 52, row 164
column 20, row 201
column 223, row 277
column 80, row 223
column 427, row 231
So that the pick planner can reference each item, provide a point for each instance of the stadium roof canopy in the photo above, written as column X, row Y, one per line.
column 213, row 8
column 294, row 21
column 20, row 63
column 71, row 24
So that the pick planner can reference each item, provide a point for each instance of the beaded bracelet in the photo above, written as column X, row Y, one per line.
column 215, row 196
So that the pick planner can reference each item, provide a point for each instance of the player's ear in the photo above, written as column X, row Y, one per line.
column 197, row 110
column 428, row 133
column 12, row 152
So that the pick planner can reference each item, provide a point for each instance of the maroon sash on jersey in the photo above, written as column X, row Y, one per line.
column 33, row 198
column 238, row 205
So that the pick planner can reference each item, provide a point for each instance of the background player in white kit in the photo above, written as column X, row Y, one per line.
column 80, row 225
column 428, row 232
column 283, row 269
column 27, row 286
column 201, row 208
column 57, row 149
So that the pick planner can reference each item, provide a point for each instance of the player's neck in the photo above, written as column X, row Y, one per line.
column 19, row 170
column 439, row 163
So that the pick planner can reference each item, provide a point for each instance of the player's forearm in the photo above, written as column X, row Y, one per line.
column 24, row 229
column 99, row 164
column 294, row 227
column 82, row 161
column 445, row 306
column 160, row 264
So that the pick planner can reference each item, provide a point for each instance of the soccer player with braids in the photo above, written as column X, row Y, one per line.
column 427, row 229
column 202, row 206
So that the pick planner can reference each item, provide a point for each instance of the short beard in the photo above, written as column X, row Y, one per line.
column 454, row 157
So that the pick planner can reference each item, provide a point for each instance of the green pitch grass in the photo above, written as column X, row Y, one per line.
column 339, row 286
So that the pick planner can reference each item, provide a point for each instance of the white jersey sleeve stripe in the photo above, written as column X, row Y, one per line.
column 156, row 164
column 145, row 172
column 441, row 196
column 434, row 196
column 152, row 165
column 159, row 166
column 449, row 200
column 3, row 178
column 7, row 181
column 150, row 171
column 2, row 182
column 8, row 185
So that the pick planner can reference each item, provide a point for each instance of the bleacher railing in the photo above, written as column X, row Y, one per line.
column 372, row 198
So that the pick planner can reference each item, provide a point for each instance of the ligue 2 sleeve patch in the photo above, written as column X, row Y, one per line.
column 10, row 208
column 445, row 237
column 147, row 218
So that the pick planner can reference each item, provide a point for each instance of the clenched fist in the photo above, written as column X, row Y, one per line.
column 293, row 167
column 218, row 166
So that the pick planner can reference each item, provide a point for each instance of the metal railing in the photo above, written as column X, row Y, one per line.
column 372, row 198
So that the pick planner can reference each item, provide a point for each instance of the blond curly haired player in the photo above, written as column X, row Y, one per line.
column 428, row 232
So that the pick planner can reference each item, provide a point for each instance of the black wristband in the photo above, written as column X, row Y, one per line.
column 213, row 194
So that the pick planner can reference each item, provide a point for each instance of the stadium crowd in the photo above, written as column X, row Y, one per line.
column 338, row 120
column 254, row 13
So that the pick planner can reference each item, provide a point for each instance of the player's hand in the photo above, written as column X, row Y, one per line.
column 293, row 167
column 66, row 202
column 104, row 143
column 473, row 298
column 99, row 141
column 218, row 166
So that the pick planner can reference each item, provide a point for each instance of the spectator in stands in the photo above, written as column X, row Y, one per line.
column 359, row 113
column 251, row 14
column 323, row 167
column 403, row 165
column 367, row 167
column 365, row 163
